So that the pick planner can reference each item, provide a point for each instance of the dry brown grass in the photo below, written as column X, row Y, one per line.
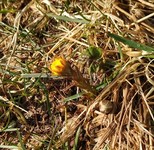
column 34, row 113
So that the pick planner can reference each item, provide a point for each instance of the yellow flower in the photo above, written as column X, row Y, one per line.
column 60, row 67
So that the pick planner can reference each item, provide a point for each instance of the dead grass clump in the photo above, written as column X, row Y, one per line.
column 48, row 112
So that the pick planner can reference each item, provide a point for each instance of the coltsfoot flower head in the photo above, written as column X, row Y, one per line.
column 60, row 67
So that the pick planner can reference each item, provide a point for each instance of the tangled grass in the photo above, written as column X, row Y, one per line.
column 110, row 42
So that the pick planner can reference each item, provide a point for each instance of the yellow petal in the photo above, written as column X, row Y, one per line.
column 60, row 67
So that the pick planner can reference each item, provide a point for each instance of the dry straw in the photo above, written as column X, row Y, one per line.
column 34, row 112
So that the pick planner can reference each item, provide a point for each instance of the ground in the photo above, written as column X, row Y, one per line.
column 98, row 95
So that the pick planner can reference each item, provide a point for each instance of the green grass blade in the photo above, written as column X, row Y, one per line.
column 5, row 11
column 149, row 56
column 40, row 75
column 75, row 147
column 10, row 130
column 73, row 97
column 9, row 147
column 65, row 18
column 131, row 43
column 120, row 51
column 21, row 141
